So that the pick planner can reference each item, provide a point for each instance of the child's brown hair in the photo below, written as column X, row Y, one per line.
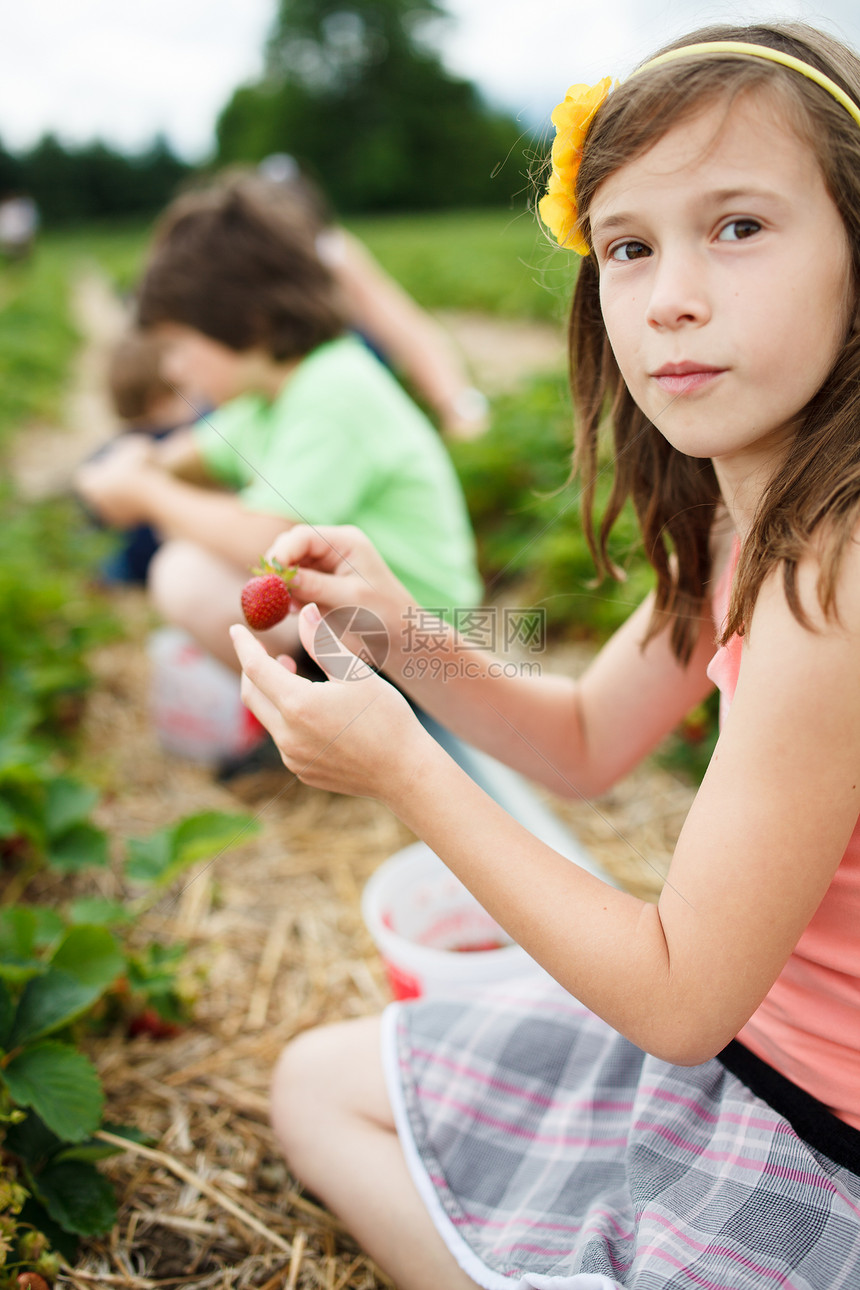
column 237, row 264
column 817, row 488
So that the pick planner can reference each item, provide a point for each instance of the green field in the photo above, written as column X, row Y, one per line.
column 497, row 262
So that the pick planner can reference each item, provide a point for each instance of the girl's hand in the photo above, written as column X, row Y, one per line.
column 356, row 736
column 338, row 566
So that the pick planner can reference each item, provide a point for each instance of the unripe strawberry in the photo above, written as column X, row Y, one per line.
column 266, row 597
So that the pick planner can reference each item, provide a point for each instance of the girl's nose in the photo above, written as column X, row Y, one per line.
column 679, row 295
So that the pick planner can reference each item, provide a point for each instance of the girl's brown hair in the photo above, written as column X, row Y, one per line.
column 676, row 498
column 238, row 262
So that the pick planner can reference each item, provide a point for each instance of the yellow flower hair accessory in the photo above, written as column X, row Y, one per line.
column 557, row 208
column 571, row 118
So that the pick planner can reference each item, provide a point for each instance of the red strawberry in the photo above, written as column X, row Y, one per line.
column 31, row 1281
column 148, row 1022
column 266, row 597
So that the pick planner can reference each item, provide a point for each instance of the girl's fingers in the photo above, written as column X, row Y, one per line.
column 304, row 545
column 268, row 676
column 269, row 687
column 311, row 585
column 328, row 650
column 266, row 712
column 310, row 622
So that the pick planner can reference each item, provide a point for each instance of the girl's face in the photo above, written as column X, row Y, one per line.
column 725, row 283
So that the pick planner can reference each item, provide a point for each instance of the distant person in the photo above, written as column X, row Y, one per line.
column 402, row 333
column 309, row 425
column 146, row 405
column 19, row 223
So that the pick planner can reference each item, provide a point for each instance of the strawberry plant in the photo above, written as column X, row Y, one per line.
column 60, row 971
column 51, row 1098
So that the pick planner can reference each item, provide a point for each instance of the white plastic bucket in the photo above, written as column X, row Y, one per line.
column 432, row 934
column 195, row 701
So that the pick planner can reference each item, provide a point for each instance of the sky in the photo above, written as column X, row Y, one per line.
column 125, row 72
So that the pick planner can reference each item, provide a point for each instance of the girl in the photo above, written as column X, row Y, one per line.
column 684, row 1109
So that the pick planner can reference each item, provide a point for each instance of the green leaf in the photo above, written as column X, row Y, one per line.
column 49, row 1002
column 94, row 909
column 164, row 855
column 149, row 858
column 208, row 834
column 49, row 925
column 93, row 1149
column 77, row 1197
column 18, row 928
column 17, row 932
column 7, row 1012
column 61, row 1085
column 80, row 846
column 68, row 802
column 8, row 820
column 91, row 955
column 17, row 971
column 36, row 1216
column 23, row 789
column 32, row 1140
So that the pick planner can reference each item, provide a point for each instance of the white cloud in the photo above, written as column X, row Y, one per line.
column 525, row 55
column 122, row 72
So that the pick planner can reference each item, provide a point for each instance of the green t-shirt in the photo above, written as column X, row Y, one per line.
column 344, row 444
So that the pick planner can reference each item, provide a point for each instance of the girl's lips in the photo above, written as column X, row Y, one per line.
column 685, row 377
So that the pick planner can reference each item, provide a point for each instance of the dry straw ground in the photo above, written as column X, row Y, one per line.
column 275, row 943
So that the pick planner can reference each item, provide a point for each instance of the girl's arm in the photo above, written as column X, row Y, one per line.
column 760, row 846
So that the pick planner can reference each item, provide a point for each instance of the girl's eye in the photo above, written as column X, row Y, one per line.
column 739, row 228
column 629, row 251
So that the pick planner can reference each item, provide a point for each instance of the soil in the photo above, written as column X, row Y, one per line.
column 274, row 935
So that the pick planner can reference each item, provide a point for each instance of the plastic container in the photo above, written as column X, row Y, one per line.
column 195, row 701
column 433, row 935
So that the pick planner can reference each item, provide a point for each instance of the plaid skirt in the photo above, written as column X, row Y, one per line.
column 554, row 1154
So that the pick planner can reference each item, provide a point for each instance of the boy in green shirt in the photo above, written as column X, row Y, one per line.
column 309, row 427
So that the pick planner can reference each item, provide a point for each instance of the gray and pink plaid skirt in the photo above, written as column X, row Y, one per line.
column 554, row 1154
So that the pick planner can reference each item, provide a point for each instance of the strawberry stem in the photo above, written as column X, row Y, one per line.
column 274, row 566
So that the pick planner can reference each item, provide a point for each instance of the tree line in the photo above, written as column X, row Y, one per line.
column 75, row 185
column 353, row 90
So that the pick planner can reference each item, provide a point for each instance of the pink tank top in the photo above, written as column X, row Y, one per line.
column 808, row 1026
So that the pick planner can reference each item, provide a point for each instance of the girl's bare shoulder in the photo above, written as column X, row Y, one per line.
column 823, row 592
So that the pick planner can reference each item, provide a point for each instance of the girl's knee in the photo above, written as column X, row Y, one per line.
column 323, row 1075
column 298, row 1092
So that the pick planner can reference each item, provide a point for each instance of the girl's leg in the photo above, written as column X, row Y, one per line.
column 331, row 1113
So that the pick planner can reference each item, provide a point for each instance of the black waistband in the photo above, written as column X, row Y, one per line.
column 810, row 1119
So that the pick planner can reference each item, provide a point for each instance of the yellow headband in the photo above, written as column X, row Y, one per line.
column 572, row 117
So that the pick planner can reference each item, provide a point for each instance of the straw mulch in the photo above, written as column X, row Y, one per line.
column 275, row 944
